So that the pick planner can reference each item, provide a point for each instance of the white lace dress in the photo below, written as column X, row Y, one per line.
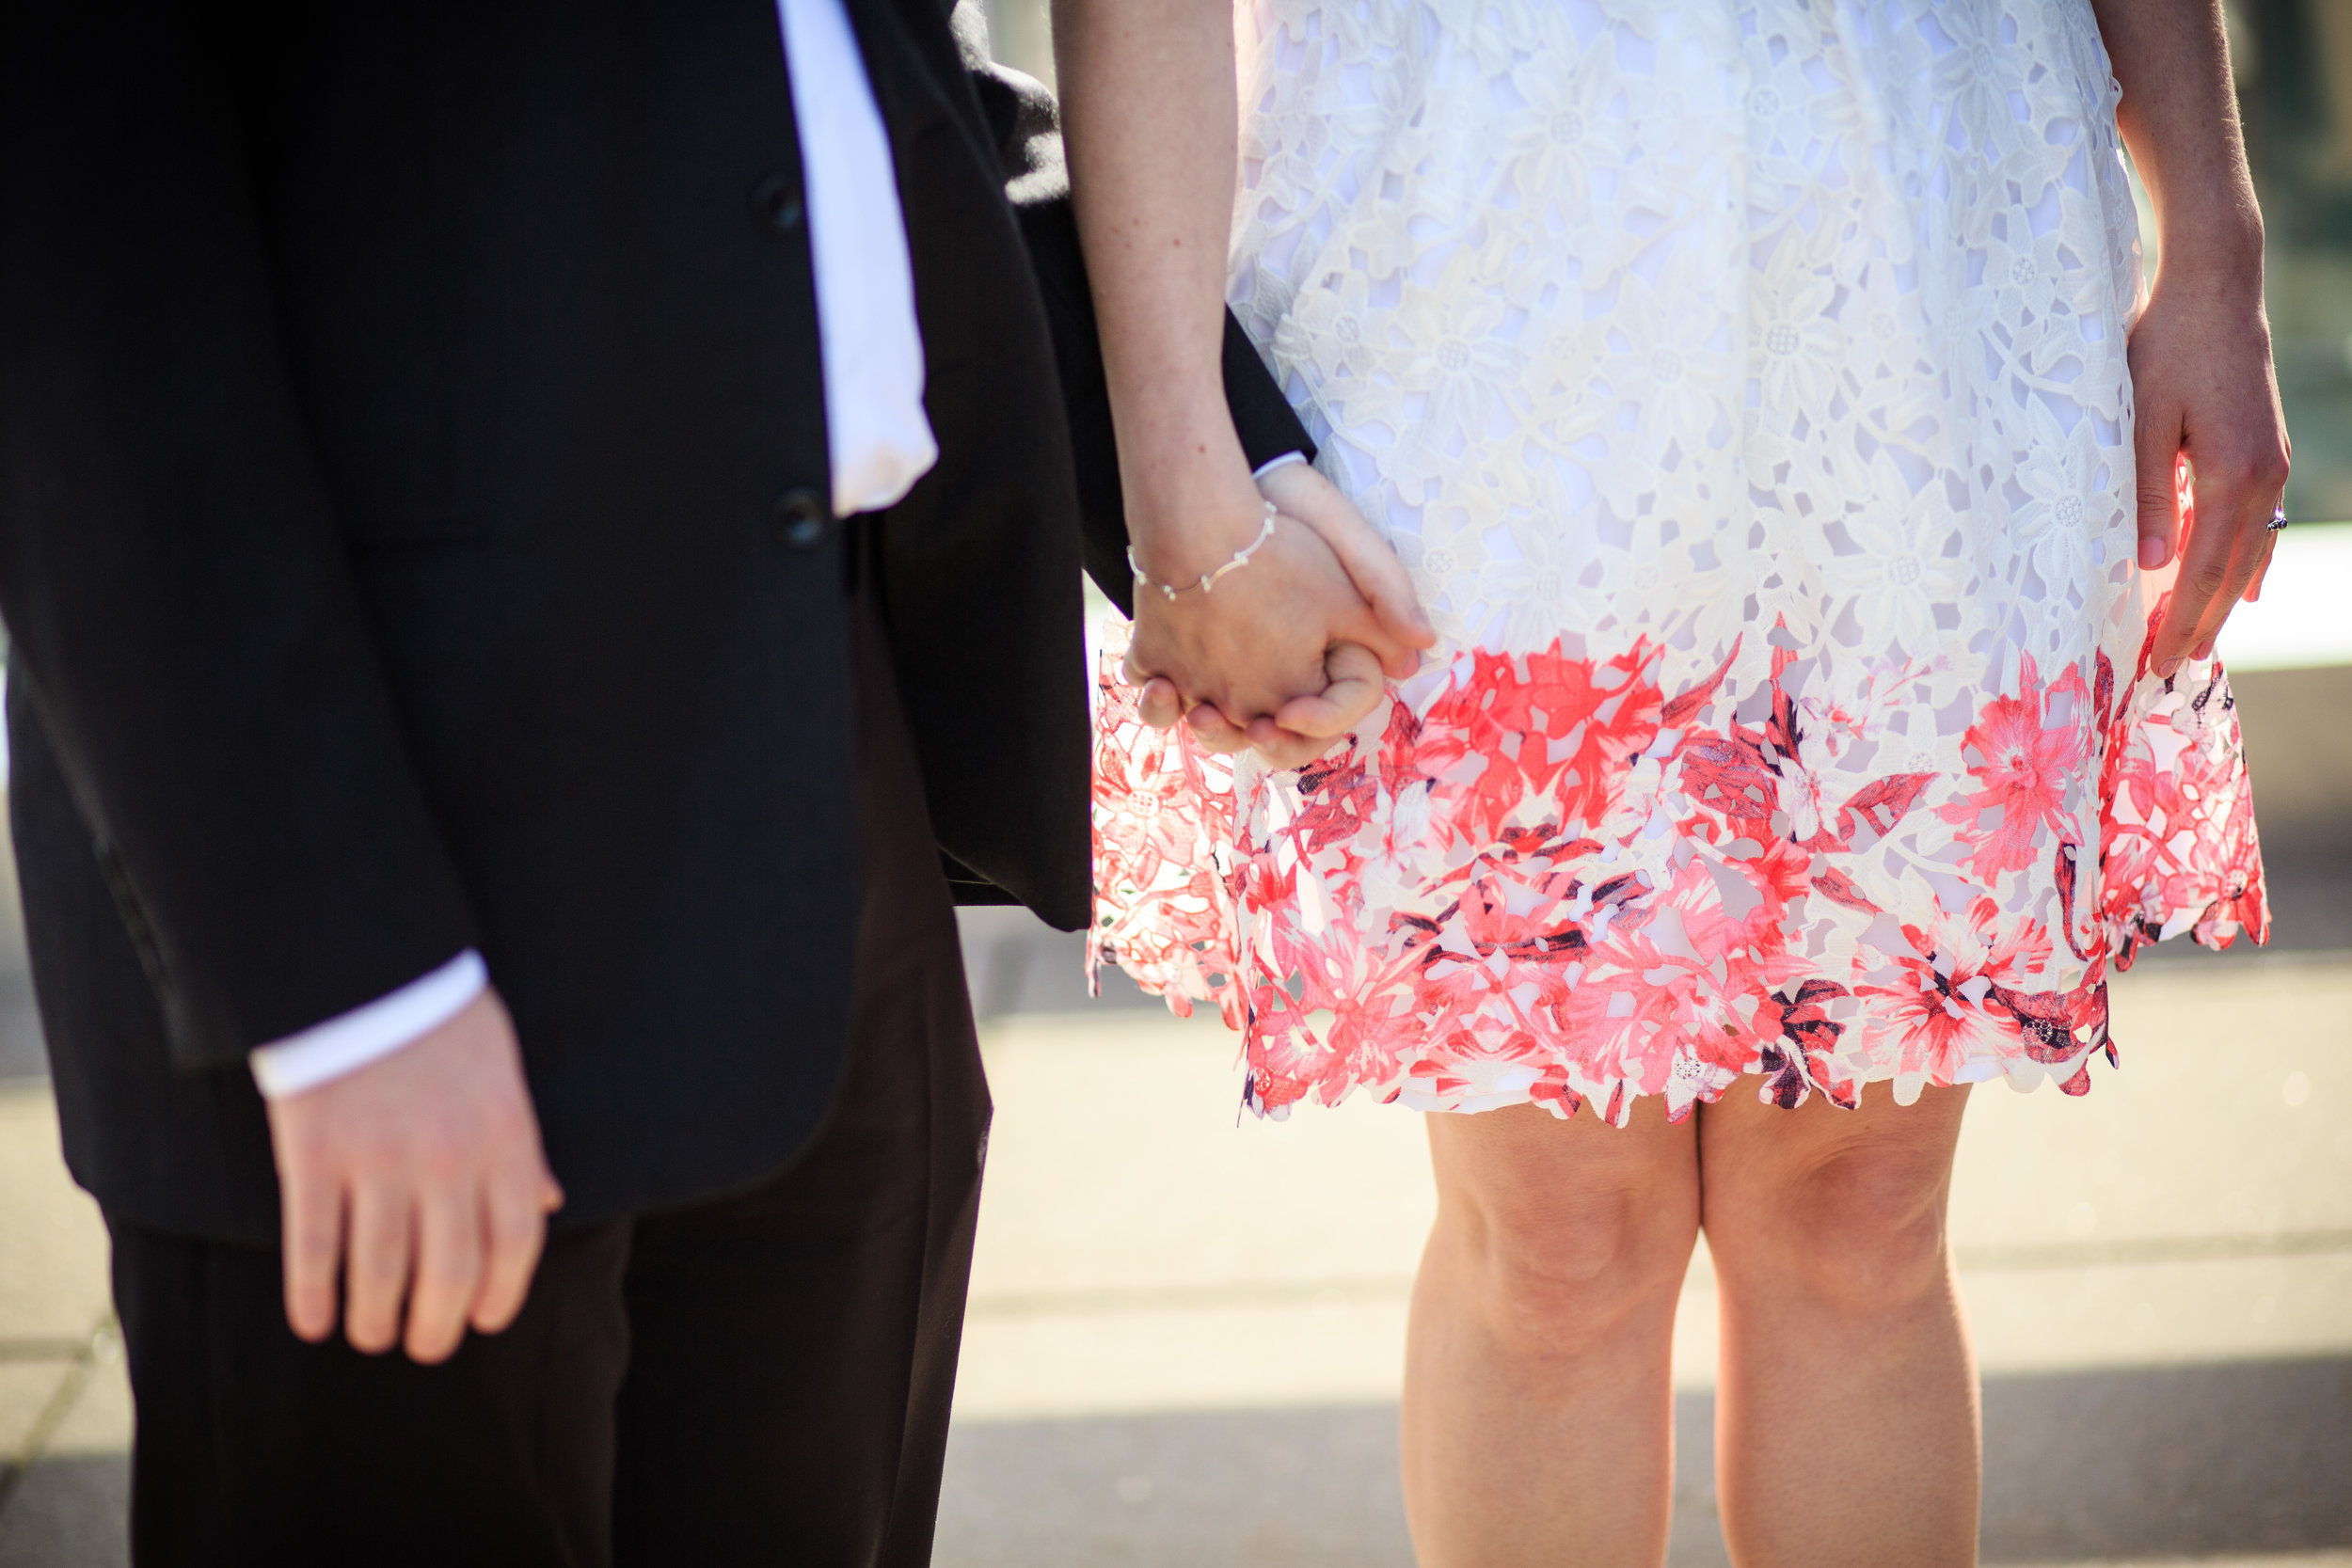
column 1744, row 384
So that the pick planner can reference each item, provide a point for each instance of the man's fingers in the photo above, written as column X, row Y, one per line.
column 1394, row 626
column 375, row 1267
column 312, row 1233
column 1368, row 630
column 1386, row 585
column 1356, row 687
column 1380, row 576
column 517, row 1229
column 1304, row 728
column 448, row 1273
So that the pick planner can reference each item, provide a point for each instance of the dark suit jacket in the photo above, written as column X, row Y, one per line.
column 412, row 535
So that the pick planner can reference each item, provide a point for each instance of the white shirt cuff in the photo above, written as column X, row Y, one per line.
column 1282, row 462
column 349, row 1042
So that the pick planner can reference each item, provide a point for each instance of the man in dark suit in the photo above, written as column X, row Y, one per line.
column 488, row 668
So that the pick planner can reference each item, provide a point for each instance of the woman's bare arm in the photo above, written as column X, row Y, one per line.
column 2201, row 376
column 1151, row 128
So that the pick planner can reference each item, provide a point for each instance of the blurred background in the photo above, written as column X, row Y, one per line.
column 1186, row 1327
column 2292, row 59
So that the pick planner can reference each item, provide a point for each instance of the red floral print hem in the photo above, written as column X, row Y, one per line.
column 1547, row 878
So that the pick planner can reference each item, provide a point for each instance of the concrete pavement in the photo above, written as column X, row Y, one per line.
column 1186, row 1330
column 65, row 1404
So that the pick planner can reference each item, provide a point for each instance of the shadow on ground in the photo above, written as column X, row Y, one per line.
column 2165, row 1461
column 69, row 1514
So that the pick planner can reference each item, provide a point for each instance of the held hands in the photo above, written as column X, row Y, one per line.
column 420, row 1178
column 2202, row 385
column 1288, row 653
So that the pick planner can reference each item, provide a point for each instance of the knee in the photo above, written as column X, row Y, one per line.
column 1555, row 1275
column 1858, row 1233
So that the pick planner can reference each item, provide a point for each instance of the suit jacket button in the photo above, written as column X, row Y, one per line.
column 800, row 516
column 776, row 202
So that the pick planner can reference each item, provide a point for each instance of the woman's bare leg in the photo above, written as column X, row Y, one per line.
column 1538, row 1422
column 1846, row 1410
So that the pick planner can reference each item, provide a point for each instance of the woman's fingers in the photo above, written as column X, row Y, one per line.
column 2262, row 573
column 1214, row 732
column 1305, row 726
column 1280, row 748
column 2155, row 459
column 1159, row 704
column 2256, row 543
column 2228, row 540
column 2202, row 381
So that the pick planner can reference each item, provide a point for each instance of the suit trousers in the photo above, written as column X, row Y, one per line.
column 761, row 1377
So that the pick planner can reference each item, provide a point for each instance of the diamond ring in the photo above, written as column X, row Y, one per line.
column 2279, row 518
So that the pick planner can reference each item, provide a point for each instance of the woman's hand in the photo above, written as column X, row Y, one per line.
column 2202, row 382
column 2202, row 385
column 1325, row 693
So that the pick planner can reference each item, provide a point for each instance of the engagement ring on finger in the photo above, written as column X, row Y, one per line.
column 2278, row 518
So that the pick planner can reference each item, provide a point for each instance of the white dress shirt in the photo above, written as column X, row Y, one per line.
column 879, row 440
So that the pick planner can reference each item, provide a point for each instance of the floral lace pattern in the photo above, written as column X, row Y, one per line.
column 1628, row 318
column 1743, row 382
column 1547, row 878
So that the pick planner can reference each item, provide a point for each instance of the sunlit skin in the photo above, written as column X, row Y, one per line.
column 2202, row 378
column 414, row 1193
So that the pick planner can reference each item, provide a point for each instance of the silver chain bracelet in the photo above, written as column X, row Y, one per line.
column 1208, row 579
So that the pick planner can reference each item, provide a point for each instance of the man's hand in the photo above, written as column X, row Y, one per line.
column 1372, row 566
column 421, row 1178
column 2203, row 384
column 1317, row 710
